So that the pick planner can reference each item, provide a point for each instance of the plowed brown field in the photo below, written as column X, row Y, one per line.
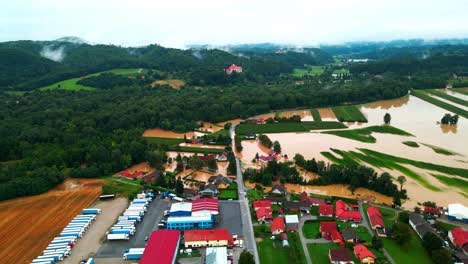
column 27, row 225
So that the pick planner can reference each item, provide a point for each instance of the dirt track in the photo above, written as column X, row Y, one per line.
column 27, row 225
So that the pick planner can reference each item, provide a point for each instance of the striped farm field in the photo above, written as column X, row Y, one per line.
column 27, row 225
column 349, row 114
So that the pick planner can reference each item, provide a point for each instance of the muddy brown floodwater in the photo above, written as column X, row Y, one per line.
column 408, row 113
column 158, row 132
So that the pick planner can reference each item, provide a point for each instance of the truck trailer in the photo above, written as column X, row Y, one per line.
column 118, row 236
column 132, row 256
column 94, row 211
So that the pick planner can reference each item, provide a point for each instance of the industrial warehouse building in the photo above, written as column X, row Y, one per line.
column 181, row 209
column 205, row 206
column 457, row 212
column 190, row 222
column 162, row 247
column 207, row 238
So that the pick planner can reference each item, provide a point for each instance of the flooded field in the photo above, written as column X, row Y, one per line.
column 222, row 167
column 455, row 94
column 304, row 114
column 158, row 132
column 408, row 113
column 233, row 121
column 327, row 114
column 209, row 127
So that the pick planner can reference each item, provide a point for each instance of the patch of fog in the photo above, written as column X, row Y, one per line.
column 197, row 54
column 52, row 53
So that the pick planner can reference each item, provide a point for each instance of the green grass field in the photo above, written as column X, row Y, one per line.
column 341, row 71
column 349, row 114
column 228, row 194
column 459, row 90
column 448, row 97
column 453, row 182
column 319, row 252
column 309, row 71
column 449, row 107
column 412, row 144
column 440, row 150
column 310, row 229
column 409, row 253
column 271, row 251
column 165, row 141
column 118, row 186
column 243, row 129
column 71, row 84
column 364, row 134
column 316, row 115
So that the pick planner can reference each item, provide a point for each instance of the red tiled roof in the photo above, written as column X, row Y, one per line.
column 264, row 212
column 362, row 252
column 205, row 204
column 325, row 209
column 335, row 235
column 375, row 217
column 130, row 175
column 343, row 213
column 328, row 227
column 432, row 210
column 277, row 224
column 207, row 235
column 161, row 248
column 460, row 236
column 261, row 203
column 234, row 67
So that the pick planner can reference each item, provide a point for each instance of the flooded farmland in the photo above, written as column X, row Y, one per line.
column 408, row 113
column 158, row 132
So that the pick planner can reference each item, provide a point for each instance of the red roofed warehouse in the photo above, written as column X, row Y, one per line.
column 207, row 238
column 459, row 237
column 344, row 212
column 205, row 206
column 130, row 175
column 161, row 248
column 277, row 226
column 233, row 68
column 326, row 228
column 363, row 254
column 326, row 210
column 376, row 220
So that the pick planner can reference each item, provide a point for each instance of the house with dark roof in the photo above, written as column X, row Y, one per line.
column 210, row 190
column 459, row 237
column 296, row 206
column 190, row 193
column 313, row 201
column 420, row 225
column 339, row 256
column 325, row 210
column 376, row 220
column 150, row 176
column 215, row 178
column 364, row 254
column 275, row 199
column 349, row 235
column 278, row 189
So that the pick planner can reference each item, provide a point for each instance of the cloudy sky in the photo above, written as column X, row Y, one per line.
column 176, row 23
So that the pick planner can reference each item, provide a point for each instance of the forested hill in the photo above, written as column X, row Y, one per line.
column 26, row 65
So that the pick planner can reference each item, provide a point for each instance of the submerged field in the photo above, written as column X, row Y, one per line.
column 29, row 224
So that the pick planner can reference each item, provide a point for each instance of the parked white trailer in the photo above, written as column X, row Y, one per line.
column 51, row 260
column 118, row 237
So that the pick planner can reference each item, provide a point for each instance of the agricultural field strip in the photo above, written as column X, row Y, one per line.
column 365, row 134
column 349, row 114
column 449, row 107
column 448, row 97
column 316, row 115
column 243, row 129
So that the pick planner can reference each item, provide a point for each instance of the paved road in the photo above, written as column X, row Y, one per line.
column 244, row 206
column 367, row 225
column 303, row 239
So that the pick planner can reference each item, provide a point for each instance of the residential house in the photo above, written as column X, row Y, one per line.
column 434, row 211
column 224, row 183
column 223, row 156
column 264, row 214
column 207, row 157
column 339, row 256
column 349, row 235
column 277, row 226
column 292, row 222
column 459, row 237
column 275, row 199
column 326, row 210
column 345, row 212
column 210, row 190
column 190, row 193
column 261, row 203
column 266, row 159
column 233, row 68
column 419, row 225
column 363, row 254
column 278, row 189
column 337, row 238
column 376, row 220
column 296, row 206
column 150, row 176
column 313, row 201
column 215, row 178
column 326, row 228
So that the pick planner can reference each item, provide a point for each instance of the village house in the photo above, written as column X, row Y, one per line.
column 326, row 228
column 313, row 201
column 278, row 189
column 150, row 176
column 233, row 68
column 363, row 254
column 345, row 212
column 190, row 193
column 210, row 190
column 376, row 220
column 459, row 237
column 277, row 226
column 419, row 225
column 296, row 206
column 339, row 256
column 220, row 181
column 275, row 199
column 263, row 210
column 325, row 210
column 349, row 235
column 432, row 211
column 223, row 156
column 261, row 203
column 292, row 222
column 337, row 238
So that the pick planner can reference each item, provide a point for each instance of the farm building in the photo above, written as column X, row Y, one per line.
column 292, row 222
column 339, row 256
column 233, row 68
column 296, row 206
column 205, row 206
column 345, row 212
column 277, row 226
column 161, row 248
column 364, row 254
column 207, row 238
column 189, row 222
column 326, row 210
column 181, row 209
column 457, row 212
column 216, row 255
column 459, row 237
column 376, row 220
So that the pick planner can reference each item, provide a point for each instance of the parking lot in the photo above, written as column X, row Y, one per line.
column 115, row 249
column 230, row 217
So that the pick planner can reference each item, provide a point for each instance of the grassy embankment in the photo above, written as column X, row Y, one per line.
column 453, row 182
column 364, row 134
column 243, row 129
column 382, row 160
column 349, row 114
column 316, row 115
column 124, row 187
column 448, row 97
column 440, row 150
column 412, row 144
column 424, row 96
column 309, row 71
column 173, row 145
column 71, row 84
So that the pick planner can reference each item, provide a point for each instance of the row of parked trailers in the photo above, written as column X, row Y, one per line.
column 126, row 223
column 133, row 253
column 60, row 247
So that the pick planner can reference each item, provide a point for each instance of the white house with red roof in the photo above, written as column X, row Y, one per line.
column 459, row 237
column 364, row 254
column 344, row 212
column 277, row 226
column 233, row 68
column 376, row 220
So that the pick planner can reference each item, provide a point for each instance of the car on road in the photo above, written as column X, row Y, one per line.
column 146, row 238
column 161, row 226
